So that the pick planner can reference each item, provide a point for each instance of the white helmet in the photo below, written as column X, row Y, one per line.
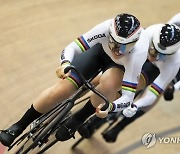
column 125, row 28
column 166, row 39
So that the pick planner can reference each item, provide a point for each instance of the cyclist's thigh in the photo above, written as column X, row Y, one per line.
column 112, row 78
column 63, row 88
column 112, row 74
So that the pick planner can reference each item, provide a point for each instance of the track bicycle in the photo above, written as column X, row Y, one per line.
column 41, row 135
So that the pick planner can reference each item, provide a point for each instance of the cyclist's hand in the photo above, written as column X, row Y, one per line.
column 100, row 113
column 169, row 92
column 130, row 111
column 60, row 71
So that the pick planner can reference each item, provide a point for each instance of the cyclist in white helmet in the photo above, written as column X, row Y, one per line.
column 123, row 44
column 165, row 50
column 151, row 71
column 173, row 86
column 120, row 44
column 164, row 43
column 164, row 53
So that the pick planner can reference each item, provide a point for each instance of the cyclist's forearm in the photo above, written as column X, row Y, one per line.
column 146, row 100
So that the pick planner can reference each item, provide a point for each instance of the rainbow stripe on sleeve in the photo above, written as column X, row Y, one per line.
column 81, row 42
column 155, row 89
column 129, row 86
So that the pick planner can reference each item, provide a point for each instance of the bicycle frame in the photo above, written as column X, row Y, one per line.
column 58, row 113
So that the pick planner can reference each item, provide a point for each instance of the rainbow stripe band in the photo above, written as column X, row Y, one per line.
column 81, row 42
column 73, row 78
column 155, row 89
column 129, row 86
column 73, row 82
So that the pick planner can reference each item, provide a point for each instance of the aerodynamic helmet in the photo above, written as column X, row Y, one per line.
column 125, row 28
column 124, row 32
column 166, row 39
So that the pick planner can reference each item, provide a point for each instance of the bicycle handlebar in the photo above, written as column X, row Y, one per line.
column 88, row 85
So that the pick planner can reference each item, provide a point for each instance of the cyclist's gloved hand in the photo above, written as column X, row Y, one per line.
column 60, row 70
column 130, row 111
column 169, row 93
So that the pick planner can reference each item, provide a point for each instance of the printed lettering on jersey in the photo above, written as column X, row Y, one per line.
column 96, row 37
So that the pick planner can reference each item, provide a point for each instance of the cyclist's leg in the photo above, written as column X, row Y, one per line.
column 51, row 96
column 44, row 102
column 110, row 87
column 112, row 134
column 110, row 82
column 79, row 117
column 88, row 128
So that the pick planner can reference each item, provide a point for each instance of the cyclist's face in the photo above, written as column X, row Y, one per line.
column 154, row 55
column 119, row 49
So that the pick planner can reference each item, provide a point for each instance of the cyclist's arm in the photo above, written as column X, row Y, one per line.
column 96, row 35
column 159, row 85
column 133, row 68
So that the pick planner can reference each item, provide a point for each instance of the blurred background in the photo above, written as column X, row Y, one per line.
column 32, row 35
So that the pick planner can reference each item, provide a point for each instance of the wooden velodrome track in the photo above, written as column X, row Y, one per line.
column 32, row 34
